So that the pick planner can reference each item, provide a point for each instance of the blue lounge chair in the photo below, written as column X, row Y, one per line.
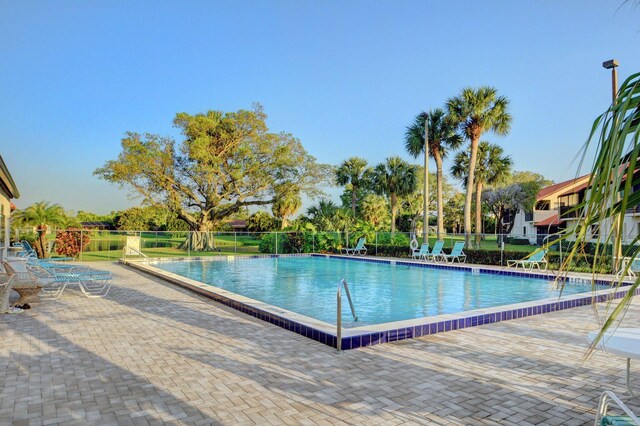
column 603, row 419
column 358, row 249
column 420, row 253
column 32, row 254
column 92, row 283
column 436, row 252
column 531, row 262
column 456, row 254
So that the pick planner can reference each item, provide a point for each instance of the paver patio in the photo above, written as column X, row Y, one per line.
column 151, row 353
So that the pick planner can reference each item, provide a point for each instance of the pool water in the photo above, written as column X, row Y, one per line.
column 381, row 292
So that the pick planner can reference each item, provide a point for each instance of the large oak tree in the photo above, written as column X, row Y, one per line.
column 226, row 162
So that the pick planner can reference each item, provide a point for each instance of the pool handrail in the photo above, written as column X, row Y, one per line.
column 343, row 283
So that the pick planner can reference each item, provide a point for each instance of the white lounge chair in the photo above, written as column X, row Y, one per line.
column 629, row 267
column 531, row 262
column 603, row 419
column 358, row 249
column 420, row 253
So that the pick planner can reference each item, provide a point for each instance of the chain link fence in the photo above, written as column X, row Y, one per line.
column 105, row 245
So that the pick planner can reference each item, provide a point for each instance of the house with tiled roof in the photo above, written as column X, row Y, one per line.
column 547, row 216
column 556, row 210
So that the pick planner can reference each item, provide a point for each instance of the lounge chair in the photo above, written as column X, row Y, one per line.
column 358, row 249
column 602, row 419
column 629, row 267
column 92, row 283
column 420, row 253
column 456, row 254
column 30, row 253
column 436, row 252
column 532, row 261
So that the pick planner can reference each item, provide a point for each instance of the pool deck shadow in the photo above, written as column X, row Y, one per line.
column 152, row 342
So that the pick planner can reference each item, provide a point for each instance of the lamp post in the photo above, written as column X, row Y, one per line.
column 425, row 207
column 612, row 64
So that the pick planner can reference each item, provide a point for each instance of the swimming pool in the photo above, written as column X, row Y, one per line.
column 394, row 300
column 381, row 293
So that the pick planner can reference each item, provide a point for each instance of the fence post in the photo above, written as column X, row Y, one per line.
column 189, row 237
column 313, row 243
column 276, row 243
column 235, row 242
column 81, row 238
column 376, row 243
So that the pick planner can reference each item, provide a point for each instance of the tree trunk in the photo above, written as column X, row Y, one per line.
column 41, row 246
column 201, row 240
column 478, row 213
column 470, row 186
column 394, row 200
column 438, row 158
column 353, row 199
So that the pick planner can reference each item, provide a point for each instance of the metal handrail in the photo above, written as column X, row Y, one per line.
column 125, row 248
column 343, row 283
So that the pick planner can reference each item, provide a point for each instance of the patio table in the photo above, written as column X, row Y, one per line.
column 622, row 341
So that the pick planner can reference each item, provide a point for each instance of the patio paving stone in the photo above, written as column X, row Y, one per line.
column 152, row 353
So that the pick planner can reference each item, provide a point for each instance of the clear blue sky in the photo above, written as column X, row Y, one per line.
column 344, row 77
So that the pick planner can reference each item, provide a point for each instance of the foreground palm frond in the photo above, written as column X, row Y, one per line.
column 614, row 187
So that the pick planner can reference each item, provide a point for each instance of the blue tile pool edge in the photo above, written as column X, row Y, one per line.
column 392, row 334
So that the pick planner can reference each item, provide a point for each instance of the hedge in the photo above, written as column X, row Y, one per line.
column 583, row 263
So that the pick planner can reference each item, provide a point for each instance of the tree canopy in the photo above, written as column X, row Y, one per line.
column 226, row 162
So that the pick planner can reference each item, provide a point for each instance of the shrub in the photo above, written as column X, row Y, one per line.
column 71, row 242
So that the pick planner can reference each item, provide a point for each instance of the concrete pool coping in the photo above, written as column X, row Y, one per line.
column 356, row 337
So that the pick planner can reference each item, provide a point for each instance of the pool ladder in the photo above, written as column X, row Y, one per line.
column 343, row 283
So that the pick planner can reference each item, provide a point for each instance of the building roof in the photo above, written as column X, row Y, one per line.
column 551, row 220
column 6, row 181
column 576, row 189
column 238, row 223
column 562, row 186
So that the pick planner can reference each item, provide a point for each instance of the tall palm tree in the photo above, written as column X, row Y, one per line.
column 286, row 206
column 442, row 137
column 354, row 171
column 394, row 178
column 492, row 167
column 474, row 112
column 42, row 215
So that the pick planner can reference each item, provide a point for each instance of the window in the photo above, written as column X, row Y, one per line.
column 543, row 205
column 524, row 231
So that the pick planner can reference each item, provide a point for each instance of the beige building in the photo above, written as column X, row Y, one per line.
column 555, row 210
column 8, row 191
column 553, row 204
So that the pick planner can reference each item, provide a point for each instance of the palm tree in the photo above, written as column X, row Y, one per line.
column 353, row 171
column 394, row 178
column 442, row 136
column 328, row 216
column 475, row 112
column 286, row 206
column 375, row 210
column 492, row 167
column 42, row 215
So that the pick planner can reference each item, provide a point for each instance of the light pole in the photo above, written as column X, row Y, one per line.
column 612, row 65
column 425, row 207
